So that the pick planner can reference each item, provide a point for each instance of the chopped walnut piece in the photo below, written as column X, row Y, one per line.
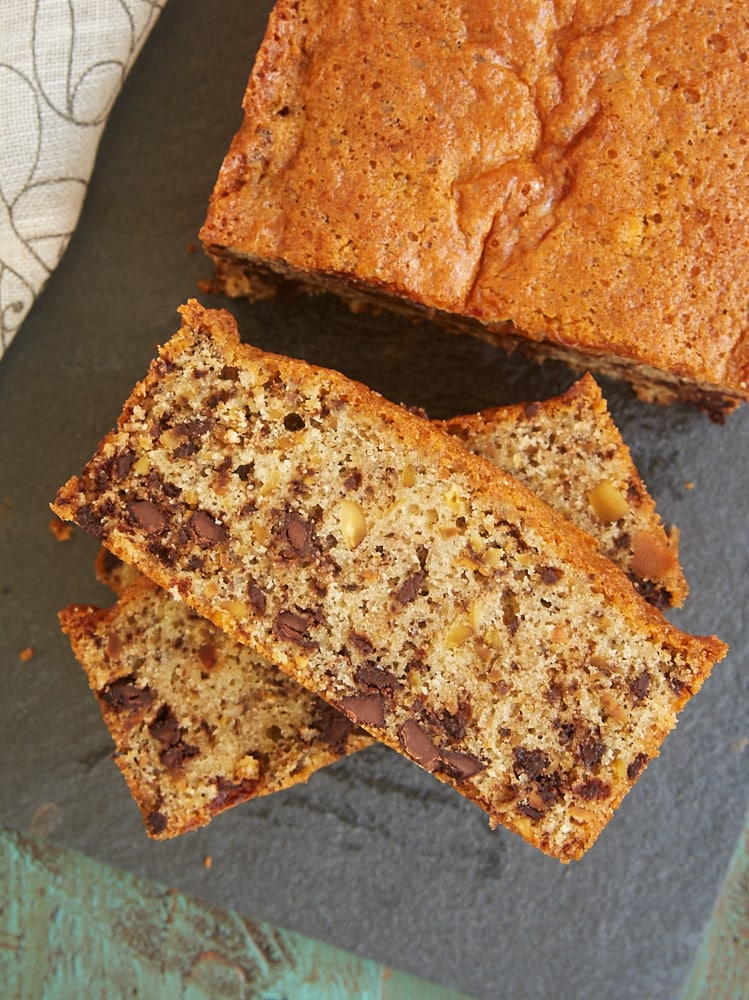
column 607, row 502
column 353, row 525
column 651, row 558
column 612, row 708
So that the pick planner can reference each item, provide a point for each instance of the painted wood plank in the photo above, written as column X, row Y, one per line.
column 721, row 970
column 71, row 927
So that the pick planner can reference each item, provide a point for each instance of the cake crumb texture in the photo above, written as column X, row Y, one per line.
column 199, row 721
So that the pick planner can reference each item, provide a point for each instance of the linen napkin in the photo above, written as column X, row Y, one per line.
column 62, row 64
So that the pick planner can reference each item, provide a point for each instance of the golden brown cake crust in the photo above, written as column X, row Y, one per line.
column 414, row 586
column 578, row 172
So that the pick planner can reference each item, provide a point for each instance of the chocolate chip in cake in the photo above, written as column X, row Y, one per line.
column 124, row 695
column 635, row 766
column 334, row 727
column 353, row 480
column 147, row 515
column 362, row 643
column 123, row 463
column 244, row 471
column 593, row 788
column 590, row 752
column 165, row 727
column 207, row 655
column 207, row 531
column 194, row 429
column 640, row 686
column 294, row 627
column 229, row 793
column 257, row 598
column 370, row 675
column 90, row 522
column 419, row 746
column 156, row 822
column 529, row 762
column 550, row 574
column 300, row 534
column 549, row 787
column 114, row 645
column 530, row 811
column 410, row 588
column 366, row 710
column 293, row 422
column 461, row 765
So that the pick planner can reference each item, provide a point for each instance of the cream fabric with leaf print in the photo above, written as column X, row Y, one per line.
column 62, row 63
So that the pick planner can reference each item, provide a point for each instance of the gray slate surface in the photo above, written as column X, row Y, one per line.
column 372, row 855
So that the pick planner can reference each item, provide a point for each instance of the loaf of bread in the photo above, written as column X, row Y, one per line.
column 417, row 588
column 572, row 179
column 150, row 658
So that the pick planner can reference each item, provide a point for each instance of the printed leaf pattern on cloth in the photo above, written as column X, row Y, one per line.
column 61, row 68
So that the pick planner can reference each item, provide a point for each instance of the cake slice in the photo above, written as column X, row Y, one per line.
column 570, row 178
column 150, row 658
column 199, row 721
column 414, row 586
column 569, row 451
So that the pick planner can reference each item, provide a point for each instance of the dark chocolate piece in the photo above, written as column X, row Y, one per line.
column 529, row 762
column 372, row 676
column 640, row 686
column 124, row 695
column 365, row 709
column 409, row 589
column 207, row 530
column 590, row 752
column 293, row 627
column 419, row 746
column 147, row 515
column 461, row 765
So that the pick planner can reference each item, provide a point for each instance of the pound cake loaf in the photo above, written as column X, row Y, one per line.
column 151, row 658
column 199, row 721
column 426, row 594
column 571, row 178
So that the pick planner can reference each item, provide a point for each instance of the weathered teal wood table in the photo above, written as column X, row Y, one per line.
column 74, row 929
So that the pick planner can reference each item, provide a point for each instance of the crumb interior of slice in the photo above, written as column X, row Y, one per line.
column 199, row 721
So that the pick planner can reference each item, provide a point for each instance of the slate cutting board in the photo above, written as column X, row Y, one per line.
column 372, row 855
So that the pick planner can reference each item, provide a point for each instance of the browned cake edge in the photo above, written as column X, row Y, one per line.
column 261, row 279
